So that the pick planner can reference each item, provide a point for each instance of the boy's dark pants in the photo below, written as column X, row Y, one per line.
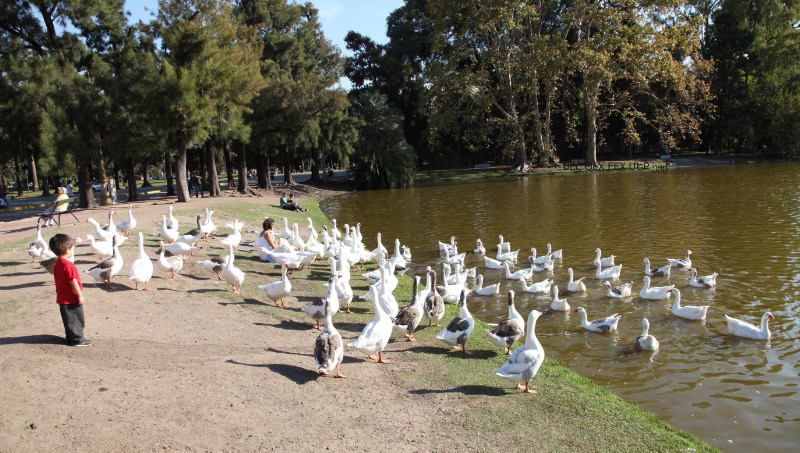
column 72, row 315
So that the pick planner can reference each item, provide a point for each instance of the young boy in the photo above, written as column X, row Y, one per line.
column 69, row 290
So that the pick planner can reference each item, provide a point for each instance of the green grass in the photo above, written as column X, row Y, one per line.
column 458, row 176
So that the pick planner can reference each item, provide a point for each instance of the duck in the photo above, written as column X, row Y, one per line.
column 376, row 333
column 215, row 264
column 556, row 255
column 318, row 308
column 329, row 348
column 103, row 249
column 508, row 256
column 479, row 248
column 505, row 333
column 276, row 291
column 618, row 292
column 172, row 264
column 540, row 259
column 575, row 286
column 611, row 272
column 38, row 245
column 166, row 233
column 709, row 281
column 459, row 329
column 172, row 222
column 207, row 227
column 398, row 259
column 232, row 274
column 542, row 287
column 743, row 329
column 558, row 304
column 127, row 226
column 694, row 313
column 434, row 303
column 645, row 341
column 657, row 272
column 492, row 263
column 111, row 227
column 656, row 292
column 685, row 263
column 525, row 361
column 192, row 236
column 520, row 274
column 182, row 249
column 607, row 262
column 101, row 233
column 107, row 269
column 503, row 246
column 607, row 324
column 409, row 317
column 491, row 290
column 142, row 267
column 234, row 238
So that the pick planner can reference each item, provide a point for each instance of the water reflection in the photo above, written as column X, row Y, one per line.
column 740, row 221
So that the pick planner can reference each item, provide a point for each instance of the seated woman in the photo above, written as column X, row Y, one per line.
column 265, row 240
column 289, row 204
column 62, row 195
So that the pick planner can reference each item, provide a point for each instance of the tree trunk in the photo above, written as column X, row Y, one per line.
column 203, row 170
column 590, row 102
column 146, row 173
column 32, row 164
column 133, row 191
column 228, row 164
column 85, row 184
column 269, row 171
column 242, row 168
column 183, row 185
column 315, row 167
column 3, row 186
column 20, row 189
column 168, row 169
column 46, row 187
column 212, row 182
column 262, row 170
column 287, row 168
column 116, row 178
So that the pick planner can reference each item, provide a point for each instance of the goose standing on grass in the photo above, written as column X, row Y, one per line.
column 192, row 236
column 329, row 348
column 526, row 360
column 434, row 303
column 423, row 292
column 207, row 227
column 685, row 263
column 386, row 300
column 450, row 292
column 479, row 248
column 172, row 264
column 746, row 330
column 182, row 249
column 607, row 262
column 458, row 331
column 607, row 324
column 234, row 238
column 107, row 269
column 380, row 252
column 398, row 259
column 172, row 222
column 505, row 333
column 542, row 287
column 344, row 291
column 575, row 286
column 556, row 255
column 558, row 304
column 611, row 272
column 709, row 281
column 111, row 227
column 409, row 317
column 618, row 292
column 276, row 291
column 232, row 274
column 103, row 249
column 142, row 267
column 645, row 341
column 655, row 292
column 491, row 290
column 166, row 233
column 376, row 333
column 127, row 225
column 101, row 233
column 320, row 305
column 694, row 313
column 215, row 264
column 657, row 272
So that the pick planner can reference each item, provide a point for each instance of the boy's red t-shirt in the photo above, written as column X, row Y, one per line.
column 64, row 271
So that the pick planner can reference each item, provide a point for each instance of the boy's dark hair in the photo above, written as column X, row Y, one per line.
column 268, row 223
column 60, row 243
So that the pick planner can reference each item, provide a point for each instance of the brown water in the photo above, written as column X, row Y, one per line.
column 740, row 221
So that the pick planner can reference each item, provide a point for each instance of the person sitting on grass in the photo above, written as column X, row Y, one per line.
column 265, row 240
column 69, row 290
column 289, row 204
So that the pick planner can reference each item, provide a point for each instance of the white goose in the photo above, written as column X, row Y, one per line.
column 492, row 263
column 607, row 324
column 398, row 259
column 450, row 292
column 182, row 249
column 611, row 272
column 232, row 274
column 380, row 251
column 709, row 281
column 694, row 313
column 207, row 227
column 479, row 248
column 296, row 240
column 215, row 264
column 618, row 292
column 409, row 317
column 548, row 266
column 233, row 239
column 491, row 290
column 607, row 262
column 526, row 360
column 540, row 259
column 645, row 341
column 128, row 225
column 386, row 300
column 458, row 331
column 172, row 264
column 406, row 253
column 542, row 287
column 318, row 308
column 520, row 274
column 505, row 333
column 293, row 260
column 575, row 286
column 503, row 246
column 107, row 269
column 101, row 233
column 746, row 330
column 508, row 256
column 287, row 231
column 167, row 233
column 276, row 291
column 329, row 349
column 685, row 263
column 657, row 272
column 376, row 333
column 142, row 267
column 556, row 255
column 172, row 222
column 38, row 245
column 656, row 292
column 111, row 227
column 103, row 249
column 443, row 246
column 423, row 292
column 192, row 236
column 558, row 304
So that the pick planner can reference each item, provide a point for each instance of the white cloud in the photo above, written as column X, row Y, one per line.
column 328, row 8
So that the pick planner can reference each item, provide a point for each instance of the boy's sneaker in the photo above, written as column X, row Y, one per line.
column 84, row 342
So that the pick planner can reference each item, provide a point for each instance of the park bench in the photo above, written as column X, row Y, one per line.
column 53, row 212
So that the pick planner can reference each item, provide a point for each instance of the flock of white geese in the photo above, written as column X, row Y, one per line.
column 344, row 251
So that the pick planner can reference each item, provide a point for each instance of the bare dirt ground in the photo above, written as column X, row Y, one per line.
column 183, row 368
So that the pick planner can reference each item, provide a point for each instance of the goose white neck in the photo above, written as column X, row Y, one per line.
column 765, row 323
column 570, row 275
column 555, row 292
column 530, row 339
column 645, row 327
column 599, row 253
column 677, row 303
column 646, row 283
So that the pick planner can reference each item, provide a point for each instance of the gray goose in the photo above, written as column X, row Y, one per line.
column 409, row 317
column 434, row 304
column 329, row 349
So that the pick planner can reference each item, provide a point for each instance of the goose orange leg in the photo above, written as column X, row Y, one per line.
column 464, row 349
column 529, row 390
